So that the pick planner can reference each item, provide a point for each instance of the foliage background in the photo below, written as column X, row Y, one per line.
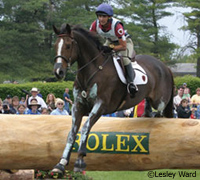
column 58, row 88
column 27, row 39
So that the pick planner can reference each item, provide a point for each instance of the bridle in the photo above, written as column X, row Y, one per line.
column 67, row 60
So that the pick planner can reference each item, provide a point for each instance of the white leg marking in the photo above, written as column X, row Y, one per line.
column 161, row 106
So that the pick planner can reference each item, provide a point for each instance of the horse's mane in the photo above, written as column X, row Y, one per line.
column 92, row 37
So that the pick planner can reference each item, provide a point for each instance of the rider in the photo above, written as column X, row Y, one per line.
column 117, row 39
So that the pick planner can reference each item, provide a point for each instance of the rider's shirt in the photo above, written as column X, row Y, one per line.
column 114, row 31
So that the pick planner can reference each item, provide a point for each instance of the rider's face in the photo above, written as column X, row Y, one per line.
column 103, row 19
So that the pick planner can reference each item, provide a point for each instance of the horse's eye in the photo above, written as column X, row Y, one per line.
column 68, row 46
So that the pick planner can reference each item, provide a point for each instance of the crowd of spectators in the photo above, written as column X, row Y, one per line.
column 185, row 105
column 33, row 103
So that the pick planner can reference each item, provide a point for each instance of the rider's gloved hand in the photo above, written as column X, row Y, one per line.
column 106, row 49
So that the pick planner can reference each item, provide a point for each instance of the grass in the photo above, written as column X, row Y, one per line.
column 143, row 175
column 164, row 174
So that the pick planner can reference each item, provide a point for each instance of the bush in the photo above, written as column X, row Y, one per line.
column 57, row 88
column 192, row 82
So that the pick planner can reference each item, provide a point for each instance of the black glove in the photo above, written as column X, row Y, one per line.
column 106, row 49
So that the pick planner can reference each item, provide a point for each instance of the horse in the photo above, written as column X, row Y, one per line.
column 97, row 88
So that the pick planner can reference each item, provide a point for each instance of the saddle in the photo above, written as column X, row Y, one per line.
column 140, row 74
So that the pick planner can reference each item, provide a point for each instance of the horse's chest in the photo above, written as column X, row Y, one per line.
column 86, row 96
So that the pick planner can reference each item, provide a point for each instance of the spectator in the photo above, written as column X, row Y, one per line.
column 6, row 108
column 177, row 99
column 14, row 105
column 128, row 112
column 8, row 100
column 120, row 113
column 22, row 101
column 59, row 108
column 67, row 100
column 197, row 112
column 21, row 109
column 44, row 111
column 34, row 92
column 110, row 115
column 195, row 100
column 50, row 101
column 125, row 113
column 1, row 106
column 185, row 87
column 193, row 115
column 33, row 107
column 183, row 110
column 186, row 94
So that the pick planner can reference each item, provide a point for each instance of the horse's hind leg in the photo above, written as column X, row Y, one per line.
column 94, row 115
column 147, row 108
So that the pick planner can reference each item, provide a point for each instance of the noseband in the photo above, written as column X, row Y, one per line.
column 66, row 60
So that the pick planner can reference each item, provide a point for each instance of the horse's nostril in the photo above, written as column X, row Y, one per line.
column 61, row 73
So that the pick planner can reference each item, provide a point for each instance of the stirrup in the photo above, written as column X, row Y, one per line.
column 132, row 89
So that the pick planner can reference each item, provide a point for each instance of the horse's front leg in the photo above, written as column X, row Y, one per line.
column 77, row 115
column 94, row 115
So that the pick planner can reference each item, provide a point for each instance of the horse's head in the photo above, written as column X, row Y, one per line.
column 66, row 50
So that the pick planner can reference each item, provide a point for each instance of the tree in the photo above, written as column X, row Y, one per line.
column 23, row 39
column 26, row 35
column 193, row 25
column 27, row 38
column 143, row 17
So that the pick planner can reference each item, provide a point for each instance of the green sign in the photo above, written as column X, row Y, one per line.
column 115, row 143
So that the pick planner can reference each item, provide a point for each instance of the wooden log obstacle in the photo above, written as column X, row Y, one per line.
column 37, row 142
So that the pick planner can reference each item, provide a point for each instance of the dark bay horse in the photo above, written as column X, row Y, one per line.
column 97, row 88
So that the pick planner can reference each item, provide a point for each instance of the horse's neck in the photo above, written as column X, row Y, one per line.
column 89, row 58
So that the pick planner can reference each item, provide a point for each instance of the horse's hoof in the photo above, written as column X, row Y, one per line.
column 79, row 165
column 58, row 171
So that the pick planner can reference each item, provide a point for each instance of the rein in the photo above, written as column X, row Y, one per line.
column 67, row 60
column 84, row 93
column 81, row 68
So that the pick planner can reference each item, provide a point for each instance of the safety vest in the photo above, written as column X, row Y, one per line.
column 111, row 33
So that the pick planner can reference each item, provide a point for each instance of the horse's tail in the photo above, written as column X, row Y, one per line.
column 168, row 111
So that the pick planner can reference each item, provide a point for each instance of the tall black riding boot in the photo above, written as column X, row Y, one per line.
column 131, row 87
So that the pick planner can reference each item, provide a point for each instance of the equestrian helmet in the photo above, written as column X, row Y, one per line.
column 104, row 9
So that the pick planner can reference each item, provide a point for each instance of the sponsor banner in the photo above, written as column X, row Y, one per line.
column 115, row 143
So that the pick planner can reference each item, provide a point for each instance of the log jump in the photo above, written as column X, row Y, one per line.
column 114, row 144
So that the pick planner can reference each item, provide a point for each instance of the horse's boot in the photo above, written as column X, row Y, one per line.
column 58, row 171
column 131, row 87
column 79, row 165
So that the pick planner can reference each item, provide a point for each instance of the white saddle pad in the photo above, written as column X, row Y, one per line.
column 140, row 74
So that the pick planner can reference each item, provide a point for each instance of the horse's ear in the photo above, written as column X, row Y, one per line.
column 56, row 30
column 68, row 28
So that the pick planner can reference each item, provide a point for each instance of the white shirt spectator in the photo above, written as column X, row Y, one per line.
column 34, row 92
column 39, row 100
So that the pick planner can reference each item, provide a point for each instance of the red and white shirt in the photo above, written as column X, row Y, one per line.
column 114, row 31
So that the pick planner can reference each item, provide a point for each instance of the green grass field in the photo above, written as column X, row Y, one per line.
column 165, row 174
